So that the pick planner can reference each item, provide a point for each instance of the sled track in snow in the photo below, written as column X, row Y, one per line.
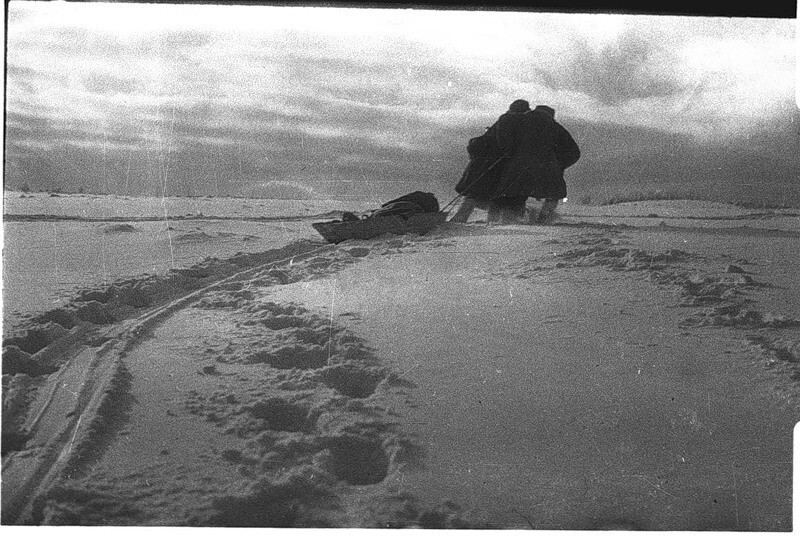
column 89, row 375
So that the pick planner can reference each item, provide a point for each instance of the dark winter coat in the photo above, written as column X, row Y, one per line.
column 480, row 176
column 538, row 150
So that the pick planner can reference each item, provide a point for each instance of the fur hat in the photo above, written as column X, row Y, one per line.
column 520, row 105
column 547, row 110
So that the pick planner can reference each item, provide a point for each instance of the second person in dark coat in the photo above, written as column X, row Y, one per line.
column 537, row 150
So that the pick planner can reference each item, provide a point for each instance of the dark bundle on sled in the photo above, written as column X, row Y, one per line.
column 417, row 212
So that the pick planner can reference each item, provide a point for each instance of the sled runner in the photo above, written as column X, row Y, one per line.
column 417, row 212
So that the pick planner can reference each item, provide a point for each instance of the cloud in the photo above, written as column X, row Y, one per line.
column 760, row 168
column 219, row 161
column 109, row 84
column 172, row 42
column 626, row 69
column 218, row 100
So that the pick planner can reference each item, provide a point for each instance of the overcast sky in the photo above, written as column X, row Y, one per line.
column 198, row 99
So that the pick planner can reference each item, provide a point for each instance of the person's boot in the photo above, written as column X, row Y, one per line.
column 530, row 215
column 512, row 214
column 494, row 214
column 547, row 213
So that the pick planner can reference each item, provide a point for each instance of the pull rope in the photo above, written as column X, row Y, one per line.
column 450, row 203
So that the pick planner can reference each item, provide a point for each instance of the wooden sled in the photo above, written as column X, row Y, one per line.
column 420, row 223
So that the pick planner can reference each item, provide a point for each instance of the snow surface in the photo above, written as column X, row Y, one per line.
column 607, row 371
column 56, row 245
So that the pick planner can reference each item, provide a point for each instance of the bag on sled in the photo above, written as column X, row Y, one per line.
column 416, row 212
column 409, row 204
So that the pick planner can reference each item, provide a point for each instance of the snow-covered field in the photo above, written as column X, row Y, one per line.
column 631, row 366
column 56, row 245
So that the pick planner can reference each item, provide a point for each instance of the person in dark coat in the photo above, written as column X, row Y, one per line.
column 536, row 151
column 478, row 181
column 478, row 184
